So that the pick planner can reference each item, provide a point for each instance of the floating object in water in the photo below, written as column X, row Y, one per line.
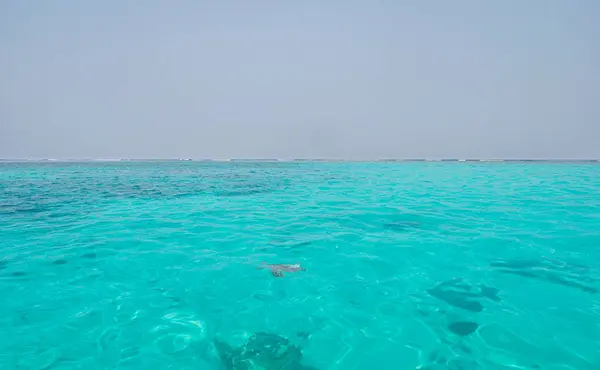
column 278, row 270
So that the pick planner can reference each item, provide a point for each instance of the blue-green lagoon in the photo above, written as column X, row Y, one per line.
column 135, row 265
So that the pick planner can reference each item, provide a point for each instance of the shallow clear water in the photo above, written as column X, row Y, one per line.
column 408, row 265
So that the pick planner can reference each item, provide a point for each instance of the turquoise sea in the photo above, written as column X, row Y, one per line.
column 407, row 266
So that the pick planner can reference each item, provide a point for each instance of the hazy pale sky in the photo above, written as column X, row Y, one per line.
column 281, row 79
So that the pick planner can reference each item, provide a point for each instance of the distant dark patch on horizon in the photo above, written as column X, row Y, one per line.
column 402, row 226
column 242, row 192
column 25, row 209
column 57, row 214
column 244, row 188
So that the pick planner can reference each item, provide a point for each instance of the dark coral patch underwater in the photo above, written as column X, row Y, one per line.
column 462, row 295
column 261, row 351
column 463, row 328
column 551, row 271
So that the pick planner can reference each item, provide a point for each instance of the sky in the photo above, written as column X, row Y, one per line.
column 300, row 79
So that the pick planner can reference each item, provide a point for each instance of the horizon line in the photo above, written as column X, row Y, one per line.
column 59, row 160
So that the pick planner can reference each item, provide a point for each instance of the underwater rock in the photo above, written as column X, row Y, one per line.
column 273, row 351
column 462, row 295
column 489, row 292
column 262, row 351
column 303, row 334
column 552, row 271
column 230, row 357
column 456, row 299
column 463, row 364
column 463, row 328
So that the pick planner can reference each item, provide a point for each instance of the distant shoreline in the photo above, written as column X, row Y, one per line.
column 297, row 160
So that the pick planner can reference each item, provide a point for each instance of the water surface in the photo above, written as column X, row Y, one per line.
column 408, row 265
